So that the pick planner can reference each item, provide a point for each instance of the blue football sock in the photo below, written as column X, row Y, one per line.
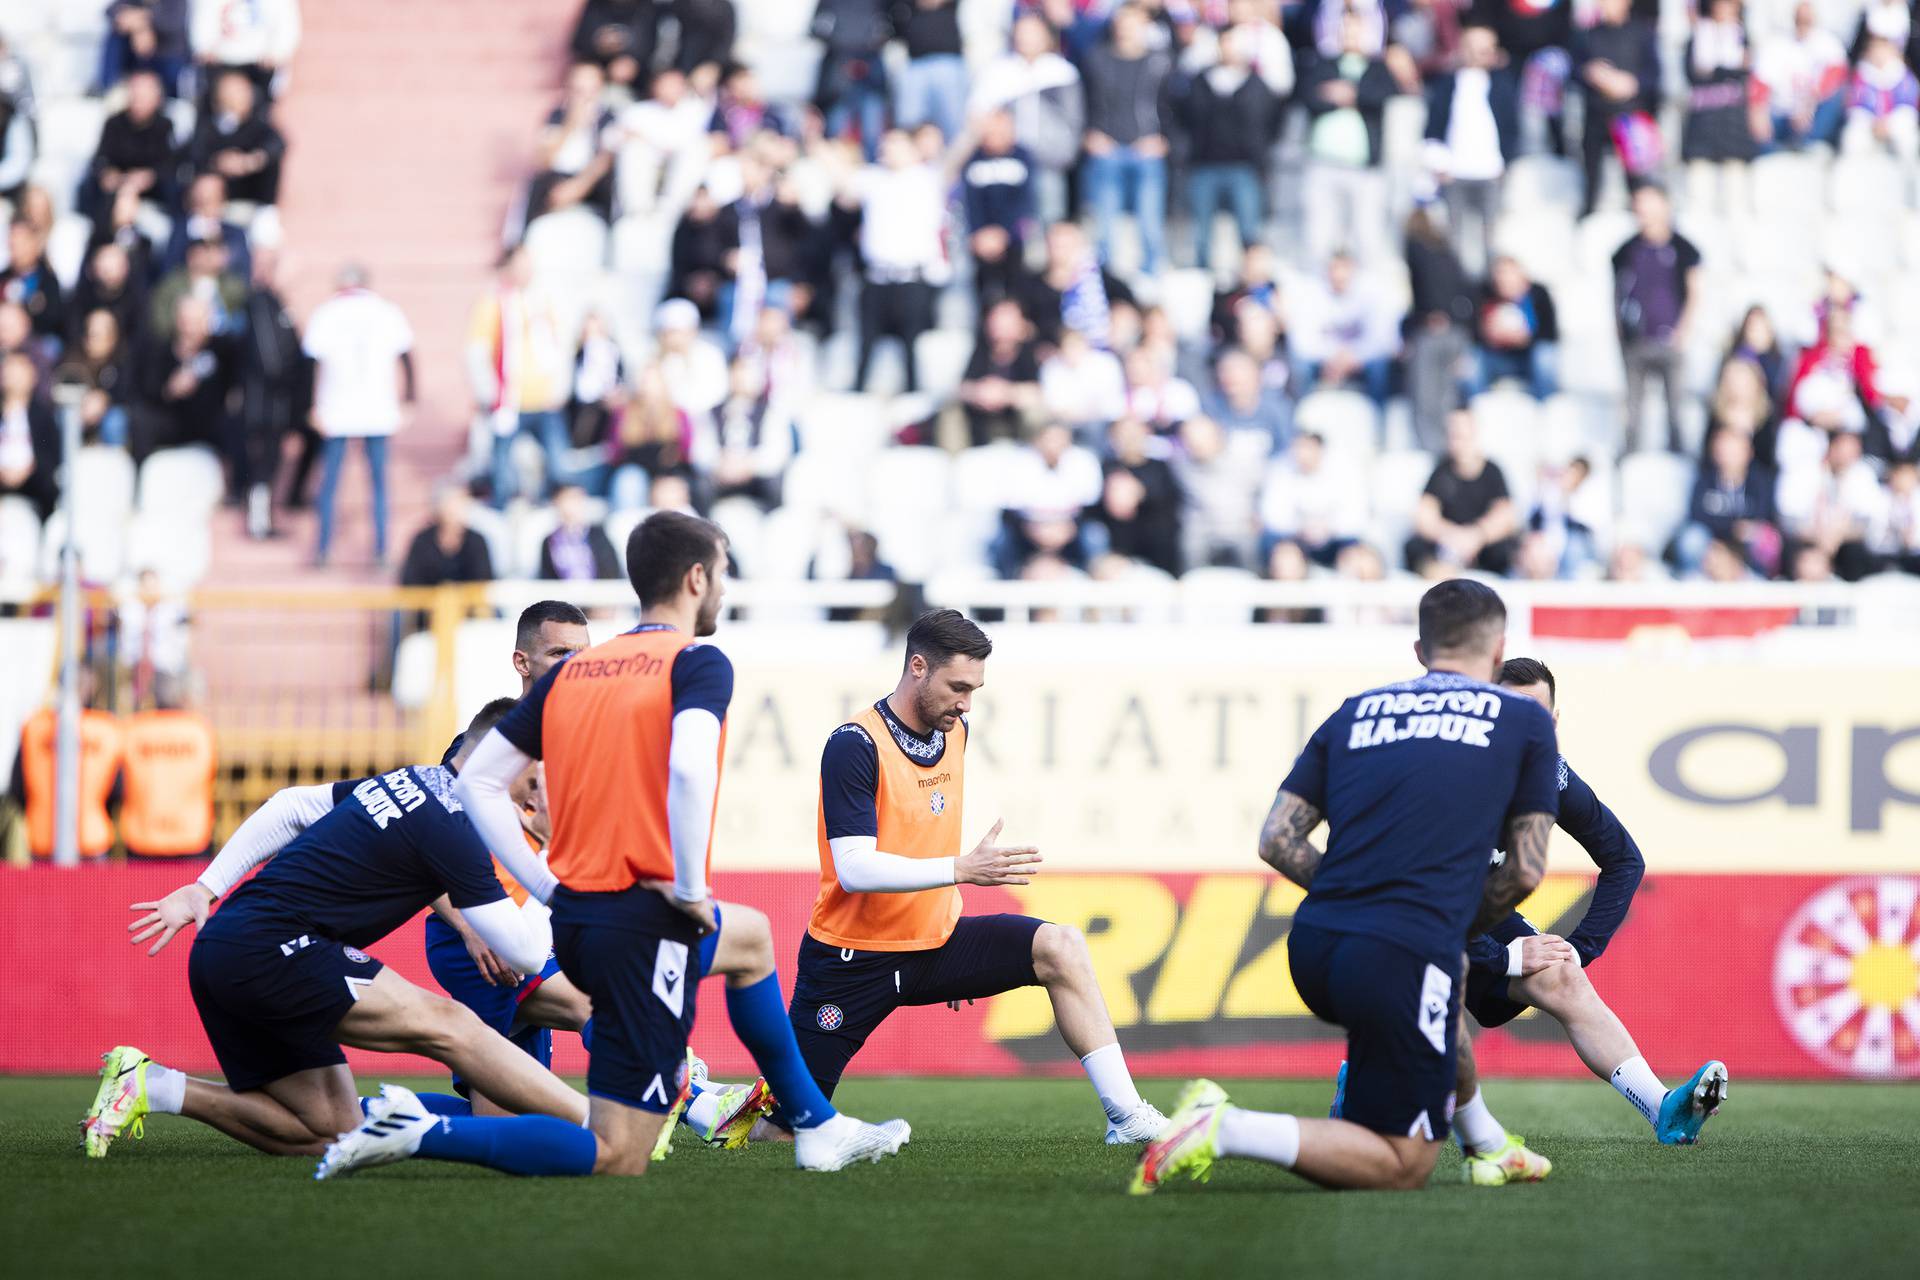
column 586, row 1035
column 438, row 1104
column 532, row 1146
column 759, row 1018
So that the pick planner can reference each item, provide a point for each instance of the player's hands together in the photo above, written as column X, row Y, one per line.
column 190, row 904
column 1542, row 951
column 496, row 971
column 990, row 863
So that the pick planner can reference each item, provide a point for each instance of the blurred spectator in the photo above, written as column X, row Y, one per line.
column 29, row 438
column 1830, row 507
column 742, row 111
column 577, row 550
column 1465, row 518
column 16, row 338
column 1619, row 73
column 1221, row 490
column 1345, row 190
column 1838, row 358
column 1519, row 333
column 1756, row 342
column 145, row 35
column 599, row 374
column 933, row 84
column 204, row 217
column 275, row 391
column 1258, row 284
column 1051, row 483
column 449, row 549
column 1128, row 112
column 706, row 249
column 1473, row 131
column 785, row 362
column 707, row 29
column 121, row 228
column 29, row 281
column 362, row 348
column 1345, row 330
column 1439, row 328
column 997, row 191
column 101, row 361
column 1241, row 400
column 1320, row 508
column 863, row 565
column 108, row 284
column 1656, row 282
column 575, row 150
column 782, row 262
column 1559, row 544
column 663, row 147
column 184, row 376
column 852, row 88
column 236, row 140
column 1082, row 386
column 652, row 439
column 618, row 36
column 1721, row 561
column 1893, row 436
column 903, row 208
column 1631, row 563
column 1042, row 91
column 1155, row 394
column 516, row 367
column 1286, row 562
column 253, row 37
column 135, row 152
column 1723, row 130
column 752, row 439
column 1071, row 290
column 694, row 369
column 206, row 276
column 1139, row 510
column 1000, row 389
column 1732, row 504
column 1803, row 77
column 18, row 140
column 1883, row 105
column 1231, row 117
column 1896, row 537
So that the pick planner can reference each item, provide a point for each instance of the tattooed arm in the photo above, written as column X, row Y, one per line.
column 1283, row 840
column 1518, row 873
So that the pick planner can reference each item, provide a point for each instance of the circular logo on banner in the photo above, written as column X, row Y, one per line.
column 829, row 1017
column 938, row 803
column 1846, row 977
column 355, row 954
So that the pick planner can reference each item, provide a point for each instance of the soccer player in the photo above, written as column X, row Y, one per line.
column 886, row 929
column 1417, row 782
column 281, row 982
column 632, row 733
column 1513, row 966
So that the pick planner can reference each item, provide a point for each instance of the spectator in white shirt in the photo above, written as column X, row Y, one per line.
column 1345, row 331
column 363, row 365
column 1042, row 90
column 575, row 150
column 1832, row 507
column 1883, row 104
column 1052, row 483
column 258, row 37
column 1473, row 125
column 1082, row 386
column 1305, row 499
column 903, row 212
column 1154, row 394
column 752, row 439
column 1804, row 77
column 663, row 148
column 694, row 368
column 1896, row 535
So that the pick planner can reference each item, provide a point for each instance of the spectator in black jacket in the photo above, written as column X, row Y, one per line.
column 99, row 360
column 1465, row 518
column 1517, row 330
column 619, row 37
column 1439, row 324
column 1128, row 112
column 145, row 35
column 577, row 550
column 275, row 390
column 1473, row 133
column 1346, row 97
column 29, row 437
column 448, row 550
column 29, row 281
column 182, row 382
column 239, row 143
column 997, row 187
column 1617, row 64
column 1732, row 502
column 933, row 85
column 1001, row 386
column 707, row 29
column 109, row 284
column 135, row 152
column 852, row 88
column 706, row 247
column 1072, row 290
column 575, row 150
column 206, row 216
column 1231, row 117
column 1140, row 503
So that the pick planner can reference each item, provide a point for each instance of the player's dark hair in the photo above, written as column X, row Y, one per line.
column 539, row 614
column 1520, row 672
column 663, row 547
column 1457, row 615
column 486, row 717
column 946, row 634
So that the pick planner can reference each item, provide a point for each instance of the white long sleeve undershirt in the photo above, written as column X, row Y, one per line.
column 693, row 780
column 481, row 789
column 863, row 868
column 267, row 831
column 521, row 937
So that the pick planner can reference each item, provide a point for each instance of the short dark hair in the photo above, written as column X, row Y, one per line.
column 539, row 614
column 1521, row 672
column 663, row 547
column 1455, row 614
column 484, row 719
column 946, row 634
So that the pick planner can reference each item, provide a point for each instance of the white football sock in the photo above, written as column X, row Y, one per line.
column 1107, row 1069
column 1637, row 1084
column 166, row 1089
column 1260, row 1135
column 1476, row 1128
column 703, row 1113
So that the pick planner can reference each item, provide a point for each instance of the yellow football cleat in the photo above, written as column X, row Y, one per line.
column 696, row 1074
column 120, row 1104
column 739, row 1107
column 1513, row 1162
column 1189, row 1144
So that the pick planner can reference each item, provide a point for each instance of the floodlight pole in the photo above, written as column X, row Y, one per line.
column 66, row 771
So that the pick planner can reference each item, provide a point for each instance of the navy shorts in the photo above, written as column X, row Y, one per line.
column 639, row 960
column 1487, row 997
column 461, row 978
column 840, row 995
column 271, row 1005
column 1400, row 1011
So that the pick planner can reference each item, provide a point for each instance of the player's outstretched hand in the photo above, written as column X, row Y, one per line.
column 1542, row 951
column 990, row 863
column 190, row 904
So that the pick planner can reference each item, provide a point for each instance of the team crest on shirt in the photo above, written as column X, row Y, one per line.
column 829, row 1017
column 355, row 954
column 938, row 803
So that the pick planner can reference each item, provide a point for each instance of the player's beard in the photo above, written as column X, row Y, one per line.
column 707, row 621
column 932, row 714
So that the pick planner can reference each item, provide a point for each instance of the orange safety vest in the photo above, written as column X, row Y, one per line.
column 918, row 808
column 100, row 749
column 166, row 809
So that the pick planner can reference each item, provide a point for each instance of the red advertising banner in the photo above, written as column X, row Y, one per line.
column 1781, row 976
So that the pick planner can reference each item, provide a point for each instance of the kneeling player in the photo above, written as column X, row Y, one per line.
column 886, row 928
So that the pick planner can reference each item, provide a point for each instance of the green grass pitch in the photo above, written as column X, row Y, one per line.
column 1002, row 1179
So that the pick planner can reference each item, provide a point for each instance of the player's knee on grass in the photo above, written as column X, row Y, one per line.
column 1417, row 1158
column 1059, row 952
column 745, row 952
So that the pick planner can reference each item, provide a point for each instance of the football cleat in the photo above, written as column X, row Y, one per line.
column 738, row 1108
column 1339, row 1092
column 696, row 1075
column 1686, row 1109
column 120, row 1104
column 1511, row 1162
column 391, row 1132
column 1188, row 1145
column 843, row 1140
column 1143, row 1124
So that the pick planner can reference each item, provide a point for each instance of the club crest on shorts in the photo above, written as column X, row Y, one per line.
column 355, row 954
column 938, row 803
column 829, row 1017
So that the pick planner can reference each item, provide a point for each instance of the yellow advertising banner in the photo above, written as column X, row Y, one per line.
column 1170, row 766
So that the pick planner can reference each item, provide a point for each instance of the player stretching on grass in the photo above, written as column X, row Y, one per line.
column 1417, row 782
column 886, row 928
column 632, row 733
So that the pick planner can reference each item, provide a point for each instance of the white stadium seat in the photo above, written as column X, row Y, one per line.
column 104, row 478
column 493, row 530
column 1346, row 419
column 178, row 550
column 568, row 243
column 187, row 483
column 19, row 544
column 941, row 356
column 1186, row 295
column 1397, row 480
column 1654, row 490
